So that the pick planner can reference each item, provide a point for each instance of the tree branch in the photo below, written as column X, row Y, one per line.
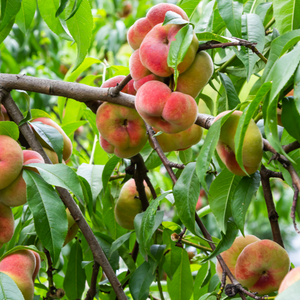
column 67, row 199
column 93, row 290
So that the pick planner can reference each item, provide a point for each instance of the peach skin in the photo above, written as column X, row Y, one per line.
column 7, row 224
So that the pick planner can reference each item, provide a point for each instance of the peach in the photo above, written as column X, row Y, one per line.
column 168, row 111
column 67, row 148
column 22, row 266
column 138, row 83
column 193, row 80
column 261, row 266
column 252, row 147
column 128, row 204
column 114, row 81
column 155, row 15
column 137, row 69
column 155, row 47
column 291, row 277
column 121, row 127
column 231, row 255
column 179, row 141
column 72, row 228
column 7, row 224
column 3, row 114
column 11, row 160
column 15, row 194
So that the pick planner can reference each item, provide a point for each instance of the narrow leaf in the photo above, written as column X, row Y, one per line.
column 9, row 9
column 108, row 169
column 26, row 14
column 208, row 36
column 205, row 22
column 174, row 18
column 189, row 6
column 290, row 117
column 119, row 242
column 8, row 288
column 9, row 128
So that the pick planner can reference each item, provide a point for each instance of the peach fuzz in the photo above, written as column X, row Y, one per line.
column 179, row 141
column 168, row 111
column 128, row 204
column 7, row 224
column 155, row 15
column 114, row 81
column 261, row 266
column 21, row 266
column 252, row 147
column 194, row 79
column 11, row 160
column 289, row 279
column 122, row 127
column 155, row 47
column 67, row 148
column 231, row 255
column 15, row 194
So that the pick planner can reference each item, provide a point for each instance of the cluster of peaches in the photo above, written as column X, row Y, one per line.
column 170, row 111
column 262, row 266
column 23, row 265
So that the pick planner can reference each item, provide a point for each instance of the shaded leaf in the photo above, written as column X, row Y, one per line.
column 8, row 288
column 26, row 14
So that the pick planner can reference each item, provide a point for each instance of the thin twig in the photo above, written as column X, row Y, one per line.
column 116, row 90
column 294, row 206
column 93, row 290
column 291, row 147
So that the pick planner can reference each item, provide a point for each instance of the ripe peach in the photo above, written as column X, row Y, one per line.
column 114, row 81
column 21, row 266
column 128, row 204
column 179, row 141
column 67, row 149
column 122, row 127
column 7, row 224
column 155, row 15
column 291, row 277
column 261, row 266
column 72, row 228
column 252, row 147
column 138, row 83
column 137, row 69
column 3, row 114
column 15, row 194
column 155, row 47
column 193, row 80
column 11, row 160
column 168, row 111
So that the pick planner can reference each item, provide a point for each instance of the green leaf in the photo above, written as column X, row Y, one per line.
column 60, row 175
column 209, row 102
column 297, row 89
column 50, row 136
column 61, row 8
column 9, row 128
column 181, row 286
column 186, row 193
column 8, row 288
column 225, row 242
column 262, row 10
column 87, row 192
column 174, row 18
column 4, row 33
column 26, row 14
column 200, row 279
column 242, row 197
column 280, row 74
column 231, row 99
column 186, row 155
column 287, row 15
column 208, row 36
column 291, row 293
column 108, row 169
column 74, row 282
column 72, row 127
column 119, row 242
column 220, row 194
column 73, row 111
column 178, row 49
column 254, row 32
column 278, row 47
column 93, row 175
column 80, row 27
column 290, row 117
column 231, row 13
column 189, row 6
column 245, row 120
column 9, row 9
column 51, row 225
column 172, row 260
column 206, row 19
column 38, row 113
column 74, row 9
column 47, row 10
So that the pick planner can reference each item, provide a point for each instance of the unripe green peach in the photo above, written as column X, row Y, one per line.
column 252, row 147
column 194, row 79
column 11, row 160
column 128, row 204
column 231, row 255
column 261, row 266
column 22, row 266
column 72, row 228
column 168, row 111
column 67, row 148
column 179, row 141
column 155, row 48
column 7, row 226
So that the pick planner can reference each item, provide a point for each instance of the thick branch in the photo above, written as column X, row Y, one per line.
column 67, row 199
column 273, row 216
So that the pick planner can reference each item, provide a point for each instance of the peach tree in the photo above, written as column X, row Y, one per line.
column 141, row 140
